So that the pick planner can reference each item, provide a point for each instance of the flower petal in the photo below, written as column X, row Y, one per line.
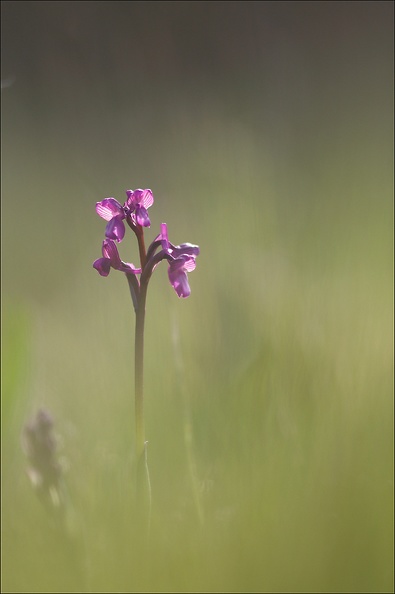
column 190, row 264
column 110, row 251
column 183, row 262
column 178, row 276
column 103, row 266
column 139, row 197
column 164, row 236
column 131, row 200
column 109, row 208
column 115, row 229
column 185, row 249
column 142, row 217
column 179, row 280
column 146, row 198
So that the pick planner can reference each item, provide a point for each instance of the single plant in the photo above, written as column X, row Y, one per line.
column 181, row 260
column 45, row 473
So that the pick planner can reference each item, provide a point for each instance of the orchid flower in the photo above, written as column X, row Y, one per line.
column 134, row 211
column 111, row 259
column 137, row 203
column 181, row 260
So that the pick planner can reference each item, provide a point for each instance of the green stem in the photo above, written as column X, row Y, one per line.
column 139, row 372
column 142, row 475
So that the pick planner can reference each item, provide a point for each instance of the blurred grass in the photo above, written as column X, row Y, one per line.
column 268, row 393
column 16, row 341
column 282, row 374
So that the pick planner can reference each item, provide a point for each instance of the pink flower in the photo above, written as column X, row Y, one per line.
column 111, row 259
column 134, row 210
column 182, row 259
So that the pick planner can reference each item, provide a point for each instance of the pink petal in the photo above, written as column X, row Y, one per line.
column 142, row 217
column 179, row 281
column 115, row 229
column 109, row 208
column 190, row 264
column 146, row 199
column 103, row 266
column 110, row 251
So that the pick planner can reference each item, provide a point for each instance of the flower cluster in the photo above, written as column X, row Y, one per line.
column 181, row 258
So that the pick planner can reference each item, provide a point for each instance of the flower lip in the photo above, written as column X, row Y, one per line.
column 115, row 229
column 103, row 266
column 110, row 251
column 178, row 277
column 142, row 217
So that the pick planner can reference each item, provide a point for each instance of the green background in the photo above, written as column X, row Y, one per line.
column 265, row 132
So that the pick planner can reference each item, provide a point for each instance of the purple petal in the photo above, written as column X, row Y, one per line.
column 185, row 249
column 142, row 217
column 110, row 252
column 164, row 236
column 109, row 208
column 103, row 266
column 190, row 264
column 111, row 255
column 139, row 197
column 179, row 280
column 146, row 198
column 115, row 229
column 183, row 263
column 178, row 276
column 131, row 200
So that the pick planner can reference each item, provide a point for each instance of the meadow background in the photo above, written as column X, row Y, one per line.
column 265, row 131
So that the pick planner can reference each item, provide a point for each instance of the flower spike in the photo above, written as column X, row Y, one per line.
column 181, row 259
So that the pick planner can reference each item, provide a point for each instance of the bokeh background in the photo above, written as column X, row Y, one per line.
column 265, row 132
